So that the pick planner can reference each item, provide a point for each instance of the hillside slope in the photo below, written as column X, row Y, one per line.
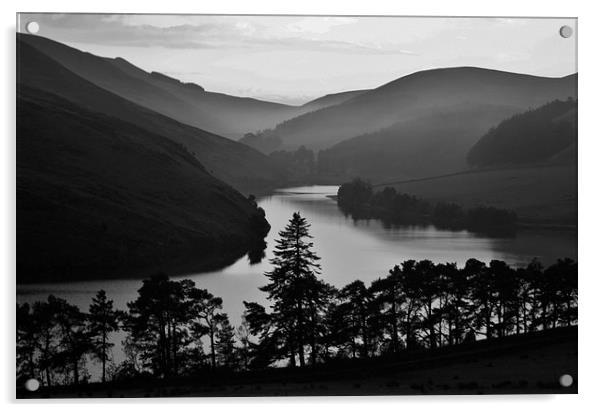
column 542, row 195
column 100, row 197
column 235, row 163
column 546, row 133
column 331, row 100
column 424, row 146
column 189, row 103
column 419, row 95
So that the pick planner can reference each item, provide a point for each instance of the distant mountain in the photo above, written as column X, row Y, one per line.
column 188, row 103
column 99, row 197
column 417, row 96
column 548, row 133
column 234, row 163
column 331, row 100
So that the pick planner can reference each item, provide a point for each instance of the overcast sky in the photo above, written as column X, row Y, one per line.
column 292, row 59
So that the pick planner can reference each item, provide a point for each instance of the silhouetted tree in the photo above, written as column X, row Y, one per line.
column 158, row 321
column 75, row 340
column 207, row 318
column 27, row 341
column 295, row 292
column 225, row 343
column 357, row 303
column 102, row 322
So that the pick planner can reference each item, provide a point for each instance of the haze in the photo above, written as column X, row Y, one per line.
column 292, row 59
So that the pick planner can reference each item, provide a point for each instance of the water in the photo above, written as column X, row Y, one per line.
column 350, row 250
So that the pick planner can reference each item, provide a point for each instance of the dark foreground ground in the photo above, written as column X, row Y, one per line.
column 513, row 365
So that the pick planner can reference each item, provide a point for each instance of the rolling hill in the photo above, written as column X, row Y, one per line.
column 540, row 135
column 189, row 103
column 332, row 99
column 234, row 163
column 419, row 95
column 99, row 197
column 424, row 146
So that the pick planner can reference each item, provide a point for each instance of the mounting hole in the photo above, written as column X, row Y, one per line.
column 32, row 385
column 566, row 31
column 566, row 380
column 32, row 27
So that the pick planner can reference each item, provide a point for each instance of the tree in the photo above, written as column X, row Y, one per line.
column 243, row 334
column 158, row 322
column 102, row 321
column 206, row 311
column 47, row 335
column 27, row 341
column 225, row 343
column 273, row 338
column 75, row 340
column 357, row 303
column 481, row 296
column 293, row 288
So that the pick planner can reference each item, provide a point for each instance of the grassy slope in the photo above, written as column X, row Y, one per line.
column 545, row 194
column 100, row 197
column 236, row 164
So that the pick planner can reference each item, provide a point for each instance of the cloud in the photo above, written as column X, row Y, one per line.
column 206, row 32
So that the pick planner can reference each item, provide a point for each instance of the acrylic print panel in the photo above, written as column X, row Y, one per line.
column 295, row 205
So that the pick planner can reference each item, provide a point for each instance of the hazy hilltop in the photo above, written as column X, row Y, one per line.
column 235, row 163
column 331, row 100
column 101, row 197
column 189, row 103
column 548, row 133
column 418, row 95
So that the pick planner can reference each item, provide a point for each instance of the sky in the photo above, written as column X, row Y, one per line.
column 293, row 59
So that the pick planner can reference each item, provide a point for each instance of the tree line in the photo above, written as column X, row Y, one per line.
column 358, row 199
column 174, row 328
column 537, row 135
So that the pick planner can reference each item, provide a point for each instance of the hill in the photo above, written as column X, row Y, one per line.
column 98, row 197
column 424, row 146
column 541, row 194
column 546, row 133
column 234, row 163
column 189, row 103
column 331, row 100
column 419, row 95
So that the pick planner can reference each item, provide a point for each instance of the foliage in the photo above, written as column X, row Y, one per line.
column 419, row 304
column 358, row 199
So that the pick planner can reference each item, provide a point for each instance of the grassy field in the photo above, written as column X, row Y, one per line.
column 526, row 364
column 543, row 195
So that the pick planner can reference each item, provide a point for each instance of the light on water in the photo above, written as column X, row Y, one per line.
column 349, row 250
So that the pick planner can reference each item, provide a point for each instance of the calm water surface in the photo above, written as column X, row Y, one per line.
column 350, row 250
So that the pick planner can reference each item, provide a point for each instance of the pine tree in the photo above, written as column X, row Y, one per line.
column 293, row 287
column 102, row 321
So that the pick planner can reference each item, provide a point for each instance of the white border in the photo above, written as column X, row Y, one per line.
column 590, row 198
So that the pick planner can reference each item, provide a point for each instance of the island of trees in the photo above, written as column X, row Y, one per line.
column 176, row 329
column 359, row 199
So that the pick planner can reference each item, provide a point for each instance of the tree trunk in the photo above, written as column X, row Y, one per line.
column 211, row 339
column 104, row 357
